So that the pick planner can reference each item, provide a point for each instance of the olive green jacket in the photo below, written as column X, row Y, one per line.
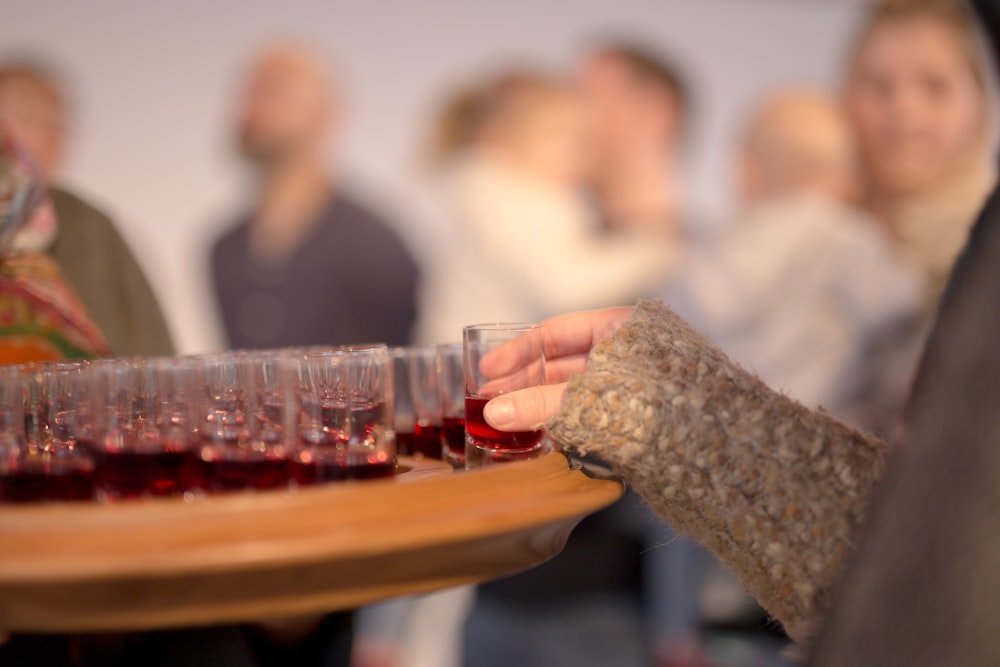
column 98, row 264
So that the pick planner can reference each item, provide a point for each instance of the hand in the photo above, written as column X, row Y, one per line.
column 567, row 340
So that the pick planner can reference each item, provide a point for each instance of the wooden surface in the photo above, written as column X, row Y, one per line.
column 252, row 556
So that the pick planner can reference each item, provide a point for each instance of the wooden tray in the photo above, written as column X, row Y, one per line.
column 162, row 563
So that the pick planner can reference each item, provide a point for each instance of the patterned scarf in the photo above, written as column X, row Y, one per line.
column 41, row 318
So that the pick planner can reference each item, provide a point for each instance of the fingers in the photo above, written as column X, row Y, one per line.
column 509, row 357
column 530, row 375
column 562, row 336
column 560, row 370
column 526, row 409
column 576, row 333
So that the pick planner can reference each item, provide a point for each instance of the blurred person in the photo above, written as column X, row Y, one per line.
column 624, row 590
column 918, row 98
column 795, row 290
column 514, row 155
column 41, row 318
column 639, row 105
column 908, row 588
column 905, row 581
column 798, row 143
column 88, row 248
column 804, row 278
column 518, row 154
column 306, row 265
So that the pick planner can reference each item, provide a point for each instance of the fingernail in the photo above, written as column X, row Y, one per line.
column 499, row 412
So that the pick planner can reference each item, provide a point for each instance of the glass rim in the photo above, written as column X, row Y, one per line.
column 346, row 351
column 410, row 351
column 502, row 326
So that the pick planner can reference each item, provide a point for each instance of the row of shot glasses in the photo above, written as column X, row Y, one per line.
column 126, row 428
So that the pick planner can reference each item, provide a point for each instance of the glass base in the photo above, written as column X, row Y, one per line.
column 456, row 460
column 479, row 457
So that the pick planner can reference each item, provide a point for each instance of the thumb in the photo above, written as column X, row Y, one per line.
column 525, row 409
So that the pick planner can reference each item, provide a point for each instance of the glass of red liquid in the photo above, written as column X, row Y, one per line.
column 241, row 432
column 404, row 419
column 485, row 445
column 142, row 426
column 40, row 459
column 344, row 405
column 451, row 386
column 425, row 392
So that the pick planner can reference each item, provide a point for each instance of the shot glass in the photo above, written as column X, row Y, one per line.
column 238, row 450
column 143, row 429
column 404, row 418
column 425, row 394
column 270, row 375
column 41, row 459
column 485, row 445
column 344, row 403
column 451, row 386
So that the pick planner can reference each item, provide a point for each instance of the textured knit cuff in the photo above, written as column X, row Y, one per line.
column 775, row 490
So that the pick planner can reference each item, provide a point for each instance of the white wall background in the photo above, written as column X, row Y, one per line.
column 154, row 82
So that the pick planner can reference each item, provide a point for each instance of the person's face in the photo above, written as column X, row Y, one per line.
column 554, row 141
column 798, row 143
column 916, row 106
column 35, row 114
column 626, row 116
column 285, row 108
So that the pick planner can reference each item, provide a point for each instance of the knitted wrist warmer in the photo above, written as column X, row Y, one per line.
column 775, row 490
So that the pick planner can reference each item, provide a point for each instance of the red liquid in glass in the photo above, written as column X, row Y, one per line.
column 218, row 469
column 45, row 480
column 453, row 436
column 428, row 440
column 308, row 469
column 155, row 472
column 487, row 437
column 406, row 443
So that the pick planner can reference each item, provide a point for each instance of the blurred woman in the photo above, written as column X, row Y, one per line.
column 523, row 242
column 917, row 96
column 41, row 318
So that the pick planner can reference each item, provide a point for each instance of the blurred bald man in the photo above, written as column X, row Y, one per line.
column 797, row 288
column 798, row 143
column 306, row 265
column 804, row 277
column 93, row 257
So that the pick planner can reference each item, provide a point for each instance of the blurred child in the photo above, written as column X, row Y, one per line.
column 794, row 290
column 524, row 244
column 805, row 278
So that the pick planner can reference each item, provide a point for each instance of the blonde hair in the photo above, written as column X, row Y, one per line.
column 501, row 101
column 951, row 14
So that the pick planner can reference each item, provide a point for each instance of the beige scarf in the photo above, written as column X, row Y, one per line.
column 931, row 228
